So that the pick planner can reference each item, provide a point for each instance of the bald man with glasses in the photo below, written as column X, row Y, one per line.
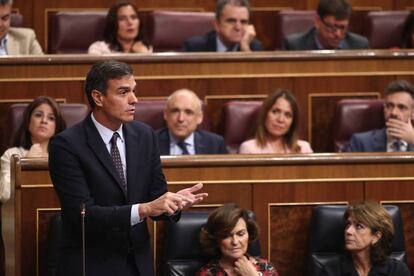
column 330, row 30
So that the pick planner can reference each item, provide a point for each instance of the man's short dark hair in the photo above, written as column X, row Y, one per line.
column 340, row 9
column 6, row 2
column 99, row 75
column 400, row 86
column 221, row 3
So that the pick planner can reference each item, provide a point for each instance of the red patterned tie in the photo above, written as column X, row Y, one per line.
column 116, row 158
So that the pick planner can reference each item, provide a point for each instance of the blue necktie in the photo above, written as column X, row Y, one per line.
column 183, row 147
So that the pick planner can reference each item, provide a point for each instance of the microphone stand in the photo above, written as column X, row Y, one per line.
column 83, row 213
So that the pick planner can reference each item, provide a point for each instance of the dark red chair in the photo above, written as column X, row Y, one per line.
column 384, row 28
column 355, row 115
column 168, row 30
column 239, row 122
column 72, row 113
column 292, row 21
column 16, row 20
column 73, row 32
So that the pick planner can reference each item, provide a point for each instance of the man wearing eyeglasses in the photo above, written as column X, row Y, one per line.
column 398, row 133
column 330, row 31
column 233, row 31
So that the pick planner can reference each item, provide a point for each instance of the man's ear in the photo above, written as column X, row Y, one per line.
column 200, row 118
column 97, row 97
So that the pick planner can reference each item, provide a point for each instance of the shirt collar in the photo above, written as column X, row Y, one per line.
column 189, row 141
column 321, row 47
column 3, row 45
column 105, row 132
column 221, row 47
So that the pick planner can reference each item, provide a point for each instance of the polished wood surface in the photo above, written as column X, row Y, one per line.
column 281, row 190
column 318, row 80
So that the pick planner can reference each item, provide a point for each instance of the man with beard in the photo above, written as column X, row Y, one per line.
column 398, row 133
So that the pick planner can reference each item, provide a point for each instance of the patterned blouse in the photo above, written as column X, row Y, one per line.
column 263, row 266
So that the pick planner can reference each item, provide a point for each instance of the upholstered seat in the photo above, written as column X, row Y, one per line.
column 326, row 237
column 72, row 113
column 239, row 122
column 355, row 115
column 292, row 21
column 169, row 29
column 73, row 32
column 384, row 28
column 16, row 20
column 184, row 255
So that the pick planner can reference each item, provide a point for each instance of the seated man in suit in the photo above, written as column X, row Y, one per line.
column 330, row 30
column 183, row 113
column 398, row 134
column 15, row 41
column 232, row 30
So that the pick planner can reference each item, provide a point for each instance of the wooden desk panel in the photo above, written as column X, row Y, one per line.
column 269, row 185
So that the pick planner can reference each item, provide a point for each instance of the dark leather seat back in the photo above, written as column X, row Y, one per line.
column 184, row 255
column 169, row 29
column 72, row 113
column 73, row 32
column 16, row 20
column 326, row 238
column 239, row 122
column 355, row 115
column 384, row 28
column 292, row 21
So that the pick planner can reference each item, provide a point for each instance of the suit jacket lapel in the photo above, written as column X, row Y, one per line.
column 97, row 145
column 132, row 147
column 199, row 145
column 380, row 141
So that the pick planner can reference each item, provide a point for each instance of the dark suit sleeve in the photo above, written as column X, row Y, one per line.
column 222, row 147
column 256, row 45
column 68, row 175
column 285, row 44
column 354, row 144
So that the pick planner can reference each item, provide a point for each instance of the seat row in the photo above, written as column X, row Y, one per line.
column 238, row 119
column 167, row 30
column 184, row 256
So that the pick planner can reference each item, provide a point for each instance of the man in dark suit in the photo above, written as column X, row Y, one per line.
column 108, row 166
column 330, row 30
column 398, row 135
column 183, row 113
column 232, row 30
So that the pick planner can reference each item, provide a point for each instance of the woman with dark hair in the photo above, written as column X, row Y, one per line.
column 226, row 237
column 123, row 32
column 277, row 125
column 407, row 40
column 41, row 120
column 369, row 233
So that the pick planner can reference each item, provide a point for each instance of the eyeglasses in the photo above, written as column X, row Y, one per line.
column 333, row 28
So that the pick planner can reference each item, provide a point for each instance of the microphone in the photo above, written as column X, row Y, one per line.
column 83, row 213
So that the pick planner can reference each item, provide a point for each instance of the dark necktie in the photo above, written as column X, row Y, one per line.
column 116, row 158
column 397, row 145
column 183, row 147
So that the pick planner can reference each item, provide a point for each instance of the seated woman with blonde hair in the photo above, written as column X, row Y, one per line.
column 41, row 120
column 368, row 233
column 123, row 32
column 277, row 125
column 226, row 237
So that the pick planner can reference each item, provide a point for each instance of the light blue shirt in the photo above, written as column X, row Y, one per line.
column 223, row 48
column 3, row 46
column 106, row 135
column 176, row 150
